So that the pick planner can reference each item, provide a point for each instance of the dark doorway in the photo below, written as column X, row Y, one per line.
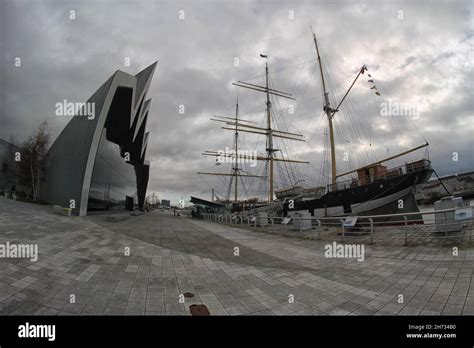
column 128, row 203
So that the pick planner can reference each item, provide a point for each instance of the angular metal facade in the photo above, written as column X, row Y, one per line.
column 94, row 164
column 113, row 179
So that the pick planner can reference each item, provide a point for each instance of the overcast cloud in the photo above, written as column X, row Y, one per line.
column 418, row 52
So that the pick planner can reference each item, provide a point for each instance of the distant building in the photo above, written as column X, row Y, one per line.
column 455, row 183
column 166, row 204
column 98, row 163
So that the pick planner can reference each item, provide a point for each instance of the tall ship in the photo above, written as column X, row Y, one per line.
column 238, row 157
column 373, row 188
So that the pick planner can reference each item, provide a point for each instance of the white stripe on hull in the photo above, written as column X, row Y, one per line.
column 379, row 202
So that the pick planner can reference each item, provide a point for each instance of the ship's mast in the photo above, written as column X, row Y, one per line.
column 239, row 125
column 269, row 131
column 329, row 113
column 235, row 170
column 236, row 165
column 269, row 137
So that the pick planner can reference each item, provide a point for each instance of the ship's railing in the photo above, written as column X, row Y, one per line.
column 439, row 226
column 391, row 173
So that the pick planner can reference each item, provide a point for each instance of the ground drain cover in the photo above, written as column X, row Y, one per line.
column 188, row 295
column 199, row 310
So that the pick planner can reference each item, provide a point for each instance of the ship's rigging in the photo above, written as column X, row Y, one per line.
column 329, row 133
column 269, row 131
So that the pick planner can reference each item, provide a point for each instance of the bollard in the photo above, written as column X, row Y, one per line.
column 470, row 234
column 406, row 230
column 371, row 230
column 319, row 229
column 445, row 225
column 342, row 225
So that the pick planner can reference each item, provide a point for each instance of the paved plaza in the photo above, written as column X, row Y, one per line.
column 84, row 268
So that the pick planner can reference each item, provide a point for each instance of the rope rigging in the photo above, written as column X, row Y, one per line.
column 353, row 130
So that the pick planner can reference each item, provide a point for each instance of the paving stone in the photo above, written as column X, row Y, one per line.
column 452, row 310
column 172, row 255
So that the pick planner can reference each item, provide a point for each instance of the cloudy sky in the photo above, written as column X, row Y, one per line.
column 419, row 54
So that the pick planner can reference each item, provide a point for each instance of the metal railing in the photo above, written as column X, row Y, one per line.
column 406, row 228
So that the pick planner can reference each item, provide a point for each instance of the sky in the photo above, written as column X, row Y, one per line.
column 418, row 53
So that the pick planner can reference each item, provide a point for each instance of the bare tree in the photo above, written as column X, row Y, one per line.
column 33, row 159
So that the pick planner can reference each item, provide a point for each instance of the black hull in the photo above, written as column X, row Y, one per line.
column 376, row 198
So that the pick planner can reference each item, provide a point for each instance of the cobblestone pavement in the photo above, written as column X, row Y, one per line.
column 83, row 269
